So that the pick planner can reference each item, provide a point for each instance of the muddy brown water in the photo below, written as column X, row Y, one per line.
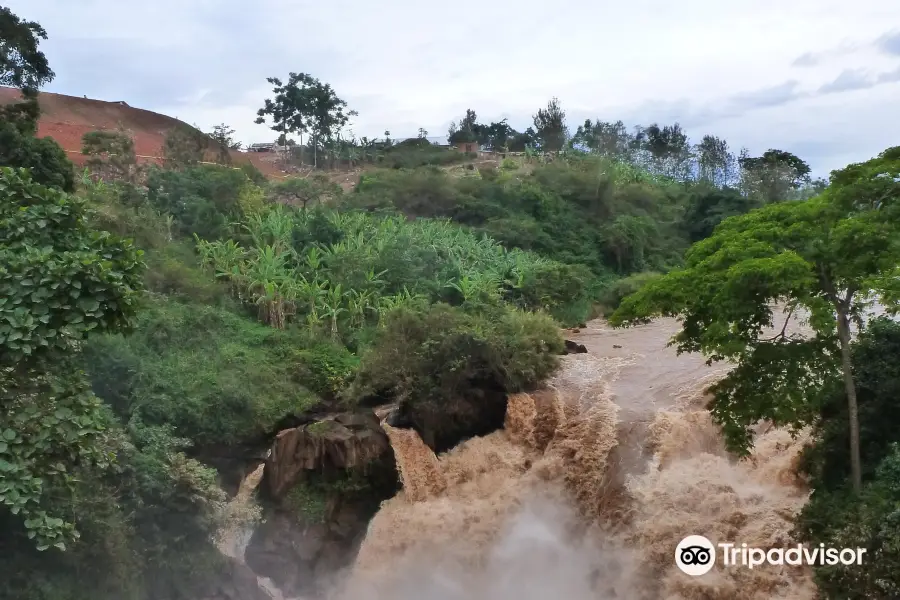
column 587, row 490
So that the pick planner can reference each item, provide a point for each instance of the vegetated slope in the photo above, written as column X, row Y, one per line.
column 67, row 118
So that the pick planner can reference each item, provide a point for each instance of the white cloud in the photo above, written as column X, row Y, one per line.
column 405, row 64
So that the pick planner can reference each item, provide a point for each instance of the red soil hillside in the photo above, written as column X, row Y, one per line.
column 67, row 118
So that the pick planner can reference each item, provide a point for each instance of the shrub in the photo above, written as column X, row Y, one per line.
column 203, row 199
column 43, row 157
column 834, row 515
column 451, row 370
column 327, row 368
column 215, row 376
column 618, row 289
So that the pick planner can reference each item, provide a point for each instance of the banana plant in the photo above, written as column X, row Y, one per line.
column 314, row 258
column 311, row 294
column 275, row 227
column 373, row 280
column 404, row 298
column 358, row 304
column 332, row 307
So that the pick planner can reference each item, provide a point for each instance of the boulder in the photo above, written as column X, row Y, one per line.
column 236, row 581
column 338, row 441
column 574, row 348
column 301, row 558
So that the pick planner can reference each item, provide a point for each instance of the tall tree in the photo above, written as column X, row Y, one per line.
column 23, row 66
column 304, row 105
column 519, row 141
column 829, row 257
column 669, row 150
column 289, row 110
column 184, row 146
column 775, row 175
column 550, row 125
column 466, row 131
column 715, row 162
column 327, row 116
column 59, row 282
column 610, row 140
column 110, row 154
column 223, row 135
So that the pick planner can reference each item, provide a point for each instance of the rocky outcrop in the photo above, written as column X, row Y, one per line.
column 574, row 348
column 235, row 581
column 340, row 441
column 313, row 524
column 300, row 558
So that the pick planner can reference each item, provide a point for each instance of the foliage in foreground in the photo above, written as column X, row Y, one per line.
column 59, row 281
column 829, row 257
column 213, row 375
column 451, row 370
column 834, row 514
column 346, row 271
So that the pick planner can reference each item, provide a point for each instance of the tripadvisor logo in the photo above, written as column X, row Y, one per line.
column 696, row 555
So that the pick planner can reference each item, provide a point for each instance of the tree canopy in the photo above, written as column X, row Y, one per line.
column 22, row 65
column 828, row 257
column 59, row 281
column 302, row 105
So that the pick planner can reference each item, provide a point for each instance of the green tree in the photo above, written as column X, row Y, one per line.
column 611, row 140
column 715, row 162
column 304, row 105
column 110, row 153
column 774, row 175
column 829, row 256
column 466, row 131
column 224, row 136
column 59, row 281
column 834, row 515
column 184, row 146
column 305, row 191
column 708, row 206
column 23, row 66
column 669, row 150
column 496, row 136
column 43, row 157
column 550, row 125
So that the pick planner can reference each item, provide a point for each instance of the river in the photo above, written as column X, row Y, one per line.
column 587, row 490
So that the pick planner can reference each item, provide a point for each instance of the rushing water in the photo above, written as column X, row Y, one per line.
column 586, row 491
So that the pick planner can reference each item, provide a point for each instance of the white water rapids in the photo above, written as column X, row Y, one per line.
column 587, row 490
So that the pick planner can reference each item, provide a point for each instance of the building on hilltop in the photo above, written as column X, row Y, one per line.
column 467, row 146
column 261, row 147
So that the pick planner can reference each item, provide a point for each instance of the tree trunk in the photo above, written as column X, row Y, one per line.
column 843, row 326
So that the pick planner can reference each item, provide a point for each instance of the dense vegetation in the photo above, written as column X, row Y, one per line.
column 870, row 519
column 153, row 316
column 828, row 258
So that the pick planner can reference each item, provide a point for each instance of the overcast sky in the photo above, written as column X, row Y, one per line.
column 820, row 78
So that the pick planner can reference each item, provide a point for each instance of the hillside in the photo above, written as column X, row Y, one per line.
column 67, row 118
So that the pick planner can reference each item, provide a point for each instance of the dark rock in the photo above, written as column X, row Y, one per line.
column 235, row 581
column 301, row 557
column 340, row 441
column 299, row 545
column 616, row 346
column 574, row 348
